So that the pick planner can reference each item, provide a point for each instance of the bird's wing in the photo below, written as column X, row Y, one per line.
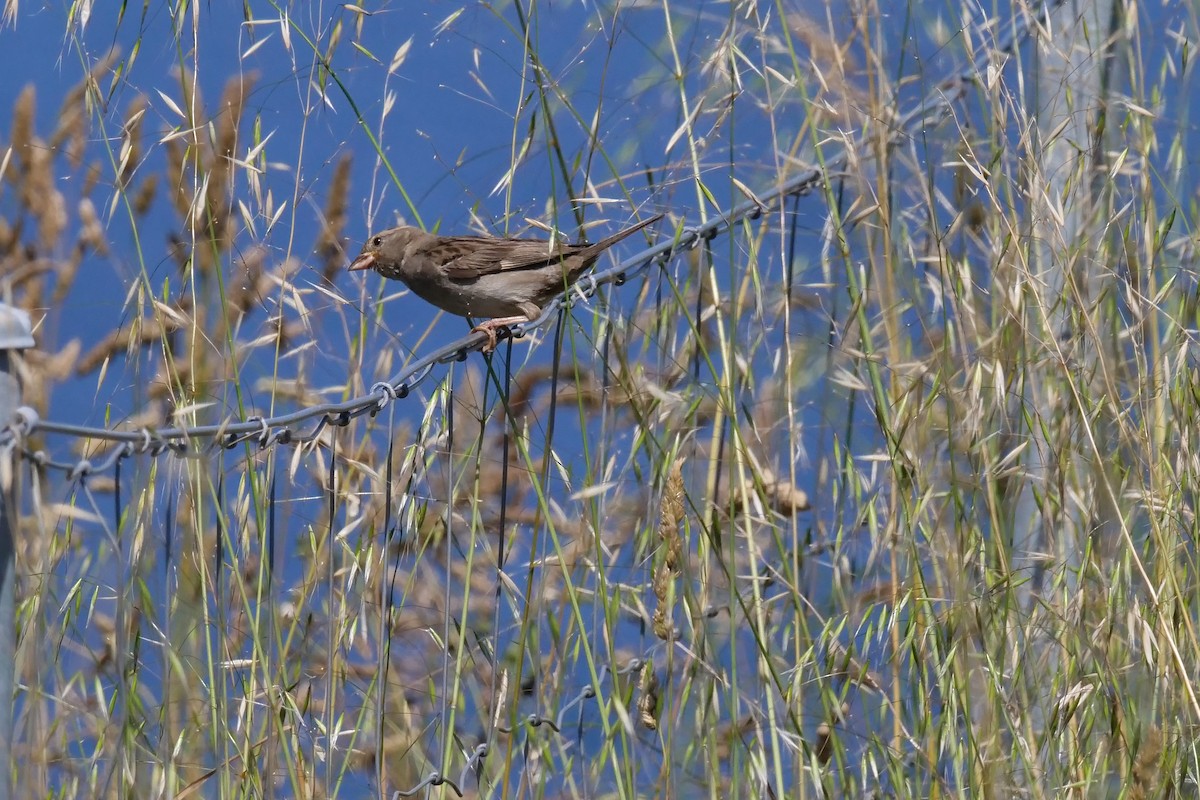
column 468, row 257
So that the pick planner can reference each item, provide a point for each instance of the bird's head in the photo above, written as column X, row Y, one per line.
column 384, row 251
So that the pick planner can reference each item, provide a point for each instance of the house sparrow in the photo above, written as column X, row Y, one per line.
column 508, row 280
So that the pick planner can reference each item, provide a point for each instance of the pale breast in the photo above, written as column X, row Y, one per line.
column 483, row 298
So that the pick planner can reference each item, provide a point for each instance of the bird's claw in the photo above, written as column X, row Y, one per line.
column 491, row 333
column 493, row 326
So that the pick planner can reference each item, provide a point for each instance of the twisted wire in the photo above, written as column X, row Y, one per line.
column 280, row 429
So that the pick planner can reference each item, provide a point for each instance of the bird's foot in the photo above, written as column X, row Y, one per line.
column 491, row 326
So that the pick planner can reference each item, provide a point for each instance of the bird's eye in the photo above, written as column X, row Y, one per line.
column 377, row 241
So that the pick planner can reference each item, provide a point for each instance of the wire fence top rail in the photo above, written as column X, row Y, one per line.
column 280, row 429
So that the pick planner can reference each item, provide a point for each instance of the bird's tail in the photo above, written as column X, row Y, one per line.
column 593, row 250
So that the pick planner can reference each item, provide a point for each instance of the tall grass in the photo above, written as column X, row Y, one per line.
column 885, row 492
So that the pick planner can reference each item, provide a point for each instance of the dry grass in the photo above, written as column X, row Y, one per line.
column 883, row 493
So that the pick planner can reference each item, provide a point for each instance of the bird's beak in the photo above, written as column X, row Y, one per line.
column 364, row 261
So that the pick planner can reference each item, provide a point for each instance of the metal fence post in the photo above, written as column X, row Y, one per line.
column 16, row 333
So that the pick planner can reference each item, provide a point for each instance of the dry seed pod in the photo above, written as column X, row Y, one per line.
column 647, row 704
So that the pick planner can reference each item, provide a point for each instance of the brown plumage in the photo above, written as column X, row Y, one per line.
column 508, row 280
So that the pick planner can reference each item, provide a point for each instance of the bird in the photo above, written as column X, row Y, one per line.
column 508, row 280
